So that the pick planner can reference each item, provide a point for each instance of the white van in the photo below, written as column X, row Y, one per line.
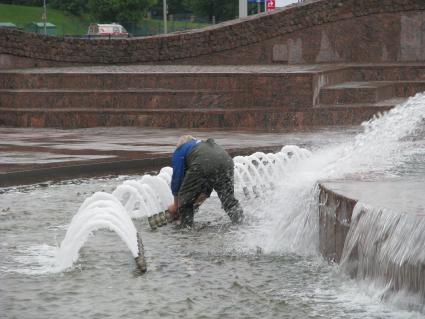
column 283, row 3
column 107, row 30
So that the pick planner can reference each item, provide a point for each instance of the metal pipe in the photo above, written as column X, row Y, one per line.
column 140, row 259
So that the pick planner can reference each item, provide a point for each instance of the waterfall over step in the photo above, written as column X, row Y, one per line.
column 387, row 247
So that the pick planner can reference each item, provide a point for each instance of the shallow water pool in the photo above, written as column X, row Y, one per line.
column 204, row 273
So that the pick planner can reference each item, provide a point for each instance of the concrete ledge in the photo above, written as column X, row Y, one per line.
column 84, row 170
column 71, row 171
column 335, row 212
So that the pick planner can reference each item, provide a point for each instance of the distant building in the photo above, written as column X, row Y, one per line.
column 8, row 25
column 38, row 27
column 283, row 3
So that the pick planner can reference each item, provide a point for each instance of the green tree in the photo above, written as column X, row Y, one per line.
column 221, row 9
column 174, row 7
column 123, row 11
column 76, row 7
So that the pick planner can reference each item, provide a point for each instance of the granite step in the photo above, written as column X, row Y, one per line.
column 391, row 102
column 124, row 99
column 368, row 92
column 151, row 90
column 200, row 76
column 237, row 118
column 380, row 106
column 409, row 88
column 117, row 81
column 388, row 72
column 157, row 98
column 171, row 77
column 263, row 97
column 356, row 92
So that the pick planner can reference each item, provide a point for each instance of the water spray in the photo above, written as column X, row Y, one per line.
column 150, row 196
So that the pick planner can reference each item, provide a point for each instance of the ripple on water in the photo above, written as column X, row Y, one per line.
column 201, row 273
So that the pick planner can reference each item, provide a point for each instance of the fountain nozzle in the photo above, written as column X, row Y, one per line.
column 140, row 259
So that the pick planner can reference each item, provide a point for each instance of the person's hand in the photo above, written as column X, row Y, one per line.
column 173, row 209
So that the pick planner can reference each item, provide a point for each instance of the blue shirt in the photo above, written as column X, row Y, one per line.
column 179, row 163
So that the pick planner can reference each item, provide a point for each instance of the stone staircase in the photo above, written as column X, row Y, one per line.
column 236, row 97
column 375, row 85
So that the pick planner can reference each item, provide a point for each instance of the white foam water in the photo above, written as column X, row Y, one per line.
column 100, row 211
column 152, row 194
column 288, row 218
column 387, row 247
column 38, row 260
column 290, row 223
column 131, row 199
column 147, row 196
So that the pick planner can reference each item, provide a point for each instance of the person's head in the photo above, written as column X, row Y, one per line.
column 184, row 139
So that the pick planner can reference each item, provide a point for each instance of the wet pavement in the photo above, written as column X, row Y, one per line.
column 24, row 149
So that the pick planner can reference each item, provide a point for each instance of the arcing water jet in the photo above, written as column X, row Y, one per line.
column 150, row 197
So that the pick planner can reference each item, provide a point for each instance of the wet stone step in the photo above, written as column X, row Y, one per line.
column 131, row 99
column 288, row 97
column 410, row 88
column 255, row 118
column 356, row 92
column 352, row 93
column 389, row 72
column 118, row 81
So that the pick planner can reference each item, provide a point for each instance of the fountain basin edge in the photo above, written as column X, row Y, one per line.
column 335, row 211
column 373, row 257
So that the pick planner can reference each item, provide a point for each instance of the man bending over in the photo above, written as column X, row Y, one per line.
column 198, row 168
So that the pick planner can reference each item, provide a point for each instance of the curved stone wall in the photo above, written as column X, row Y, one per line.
column 310, row 32
column 383, row 247
column 335, row 212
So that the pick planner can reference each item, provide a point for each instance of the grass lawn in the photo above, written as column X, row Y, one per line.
column 22, row 15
